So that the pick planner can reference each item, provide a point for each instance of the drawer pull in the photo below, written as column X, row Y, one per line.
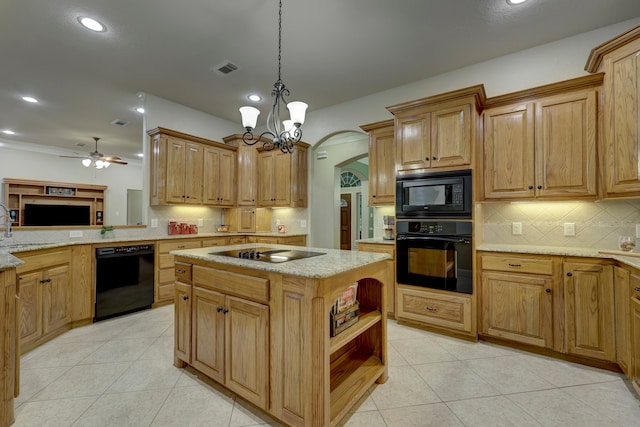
column 185, row 297
column 432, row 309
column 636, row 289
column 180, row 271
column 225, row 311
column 181, row 247
column 548, row 290
column 569, row 274
column 515, row 265
column 219, row 309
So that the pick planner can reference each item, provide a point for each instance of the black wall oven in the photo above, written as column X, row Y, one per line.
column 434, row 195
column 435, row 254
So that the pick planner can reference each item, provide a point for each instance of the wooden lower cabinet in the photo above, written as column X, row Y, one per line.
column 622, row 279
column 635, row 340
column 589, row 309
column 440, row 309
column 281, row 240
column 44, row 290
column 230, row 336
column 517, row 307
column 182, row 323
column 9, row 358
column 165, row 276
column 391, row 271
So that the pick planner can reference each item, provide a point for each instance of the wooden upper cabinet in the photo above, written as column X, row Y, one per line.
column 180, row 174
column 246, row 170
column 282, row 178
column 508, row 157
column 437, row 132
column 541, row 143
column 619, row 59
column 382, row 165
column 219, row 177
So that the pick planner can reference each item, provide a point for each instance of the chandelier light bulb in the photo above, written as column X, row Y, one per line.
column 297, row 110
column 249, row 117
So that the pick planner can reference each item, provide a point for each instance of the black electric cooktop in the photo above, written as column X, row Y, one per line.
column 268, row 254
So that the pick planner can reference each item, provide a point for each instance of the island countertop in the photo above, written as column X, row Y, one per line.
column 334, row 261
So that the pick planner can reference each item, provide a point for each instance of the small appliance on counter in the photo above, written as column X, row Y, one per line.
column 389, row 226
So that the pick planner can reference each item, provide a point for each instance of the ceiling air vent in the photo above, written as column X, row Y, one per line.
column 225, row 68
column 120, row 122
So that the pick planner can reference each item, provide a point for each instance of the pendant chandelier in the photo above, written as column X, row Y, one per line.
column 281, row 134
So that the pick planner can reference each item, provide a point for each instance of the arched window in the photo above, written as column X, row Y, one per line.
column 349, row 179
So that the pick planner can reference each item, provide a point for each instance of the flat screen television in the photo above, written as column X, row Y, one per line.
column 39, row 215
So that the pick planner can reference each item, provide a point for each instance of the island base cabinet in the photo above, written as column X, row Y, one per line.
column 635, row 341
column 8, row 356
column 230, row 343
column 182, row 324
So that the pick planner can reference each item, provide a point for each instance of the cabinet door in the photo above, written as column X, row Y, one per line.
column 413, row 148
column 207, row 333
column 182, row 308
column 30, row 293
column 621, row 129
column 176, row 157
column 247, row 175
column 565, row 139
column 211, row 184
column 382, row 168
column 193, row 173
column 623, row 321
column 247, row 220
column 509, row 152
column 299, row 177
column 517, row 307
column 266, row 177
column 451, row 136
column 635, row 342
column 247, row 350
column 227, row 181
column 282, row 179
column 56, row 298
column 589, row 304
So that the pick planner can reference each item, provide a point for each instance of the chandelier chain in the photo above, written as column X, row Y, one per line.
column 279, row 41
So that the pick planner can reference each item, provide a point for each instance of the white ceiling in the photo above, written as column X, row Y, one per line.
column 333, row 51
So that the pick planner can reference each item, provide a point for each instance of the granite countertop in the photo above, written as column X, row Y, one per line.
column 334, row 261
column 8, row 261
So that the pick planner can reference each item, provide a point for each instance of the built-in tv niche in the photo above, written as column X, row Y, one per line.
column 45, row 215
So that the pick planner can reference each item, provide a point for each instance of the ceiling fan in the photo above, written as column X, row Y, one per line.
column 97, row 159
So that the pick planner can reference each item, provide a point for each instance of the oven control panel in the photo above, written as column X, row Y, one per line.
column 434, row 227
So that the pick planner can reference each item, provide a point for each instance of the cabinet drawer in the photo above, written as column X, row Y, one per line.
column 518, row 264
column 254, row 288
column 166, row 247
column 183, row 272
column 237, row 240
column 166, row 275
column 294, row 241
column 166, row 261
column 448, row 311
column 214, row 241
column 377, row 248
column 165, row 292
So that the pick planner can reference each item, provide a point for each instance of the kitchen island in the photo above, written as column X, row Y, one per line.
column 263, row 329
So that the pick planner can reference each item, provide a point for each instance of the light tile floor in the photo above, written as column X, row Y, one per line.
column 120, row 373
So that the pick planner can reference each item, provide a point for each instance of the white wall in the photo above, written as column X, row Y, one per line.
column 48, row 166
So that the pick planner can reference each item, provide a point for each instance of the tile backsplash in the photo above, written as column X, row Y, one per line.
column 597, row 224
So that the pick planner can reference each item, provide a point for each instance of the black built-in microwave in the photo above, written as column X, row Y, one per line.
column 437, row 194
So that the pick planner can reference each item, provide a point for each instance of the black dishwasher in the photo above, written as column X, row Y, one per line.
column 124, row 280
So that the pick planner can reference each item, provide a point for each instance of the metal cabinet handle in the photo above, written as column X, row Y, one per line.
column 180, row 271
column 569, row 274
column 514, row 265
column 181, row 247
column 185, row 297
column 432, row 309
column 636, row 289
column 539, row 187
column 531, row 187
column 548, row 290
column 219, row 309
column 225, row 311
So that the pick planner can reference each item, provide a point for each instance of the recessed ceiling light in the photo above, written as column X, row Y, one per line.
column 140, row 110
column 514, row 2
column 254, row 98
column 29, row 99
column 92, row 24
column 8, row 132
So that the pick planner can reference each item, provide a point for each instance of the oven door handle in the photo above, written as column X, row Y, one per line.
column 439, row 239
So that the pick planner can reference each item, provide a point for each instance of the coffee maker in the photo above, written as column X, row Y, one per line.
column 389, row 222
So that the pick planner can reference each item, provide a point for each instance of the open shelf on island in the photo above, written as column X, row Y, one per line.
column 368, row 318
column 351, row 376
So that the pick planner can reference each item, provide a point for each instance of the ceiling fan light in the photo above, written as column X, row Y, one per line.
column 99, row 164
column 297, row 110
column 86, row 162
column 105, row 164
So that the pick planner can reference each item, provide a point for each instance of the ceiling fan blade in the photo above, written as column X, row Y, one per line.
column 118, row 162
column 74, row 157
column 110, row 158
